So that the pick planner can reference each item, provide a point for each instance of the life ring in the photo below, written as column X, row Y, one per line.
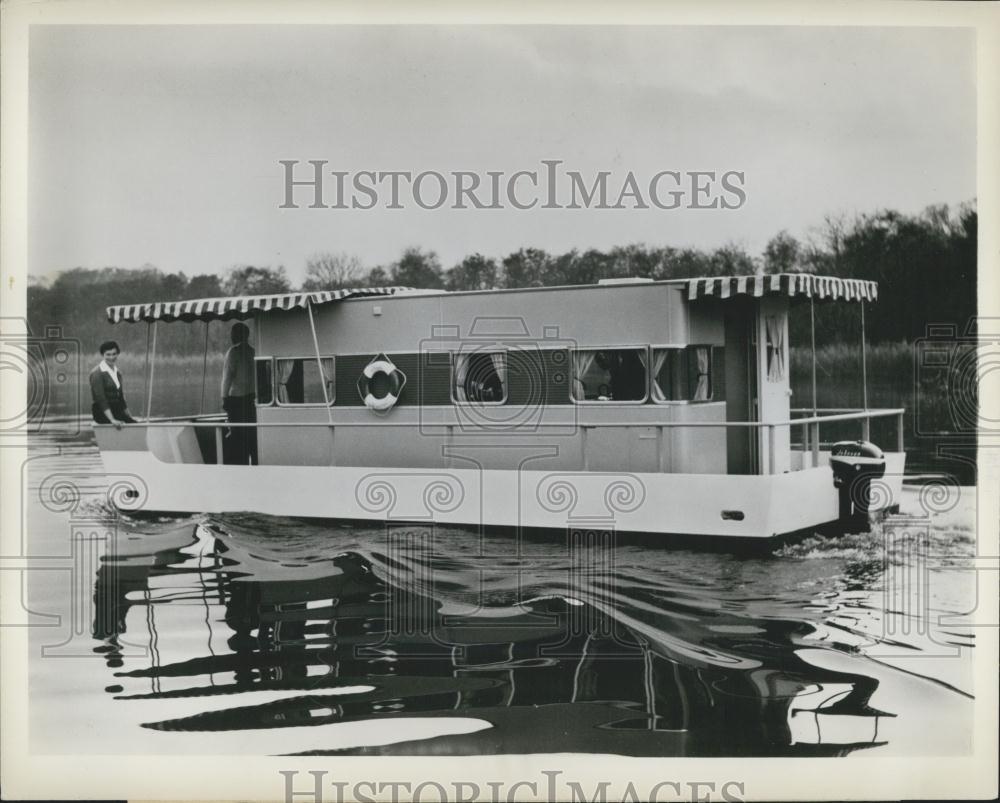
column 396, row 378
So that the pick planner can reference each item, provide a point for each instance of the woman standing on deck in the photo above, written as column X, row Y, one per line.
column 107, row 388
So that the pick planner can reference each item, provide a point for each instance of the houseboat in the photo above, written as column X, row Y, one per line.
column 634, row 405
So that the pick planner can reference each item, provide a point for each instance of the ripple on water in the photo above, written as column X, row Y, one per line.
column 278, row 635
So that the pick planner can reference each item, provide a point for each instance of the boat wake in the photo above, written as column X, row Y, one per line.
column 629, row 649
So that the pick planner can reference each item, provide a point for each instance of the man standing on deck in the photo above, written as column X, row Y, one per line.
column 240, row 445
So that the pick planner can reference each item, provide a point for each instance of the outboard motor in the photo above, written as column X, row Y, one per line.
column 855, row 464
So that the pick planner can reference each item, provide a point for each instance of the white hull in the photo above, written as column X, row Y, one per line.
column 743, row 506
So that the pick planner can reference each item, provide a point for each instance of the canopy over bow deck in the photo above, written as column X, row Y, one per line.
column 819, row 288
column 225, row 309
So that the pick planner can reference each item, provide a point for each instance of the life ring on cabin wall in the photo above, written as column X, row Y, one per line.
column 396, row 379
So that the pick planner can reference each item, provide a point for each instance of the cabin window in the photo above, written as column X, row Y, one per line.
column 682, row 374
column 265, row 381
column 299, row 380
column 480, row 376
column 609, row 375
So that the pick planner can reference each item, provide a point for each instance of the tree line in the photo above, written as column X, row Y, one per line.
column 925, row 265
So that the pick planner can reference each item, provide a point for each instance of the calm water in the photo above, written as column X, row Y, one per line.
column 260, row 635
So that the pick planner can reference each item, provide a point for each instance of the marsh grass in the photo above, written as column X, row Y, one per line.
column 894, row 360
column 177, row 386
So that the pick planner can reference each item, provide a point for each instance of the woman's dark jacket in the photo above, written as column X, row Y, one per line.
column 107, row 395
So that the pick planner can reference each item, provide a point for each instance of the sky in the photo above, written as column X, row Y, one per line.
column 161, row 145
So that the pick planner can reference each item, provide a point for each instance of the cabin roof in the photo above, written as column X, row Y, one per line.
column 793, row 285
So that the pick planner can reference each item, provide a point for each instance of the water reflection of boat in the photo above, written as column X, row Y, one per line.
column 347, row 640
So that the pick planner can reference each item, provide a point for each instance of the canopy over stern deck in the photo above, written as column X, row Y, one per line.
column 792, row 285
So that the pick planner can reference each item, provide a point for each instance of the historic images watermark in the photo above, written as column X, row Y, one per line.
column 312, row 184
column 315, row 787
column 965, row 361
column 49, row 365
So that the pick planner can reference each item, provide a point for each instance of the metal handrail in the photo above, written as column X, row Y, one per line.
column 829, row 409
column 188, row 419
column 861, row 415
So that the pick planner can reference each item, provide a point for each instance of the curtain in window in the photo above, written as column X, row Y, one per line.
column 702, row 391
column 461, row 374
column 659, row 360
column 582, row 360
column 775, row 348
column 285, row 368
column 500, row 366
column 327, row 366
column 642, row 355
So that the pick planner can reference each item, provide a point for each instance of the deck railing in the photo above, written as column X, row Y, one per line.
column 810, row 426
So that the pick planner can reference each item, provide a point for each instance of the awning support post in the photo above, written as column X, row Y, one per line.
column 319, row 361
column 812, row 327
column 145, row 365
column 866, row 422
column 152, row 368
column 204, row 372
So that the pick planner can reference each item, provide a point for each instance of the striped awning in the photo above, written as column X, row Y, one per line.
column 224, row 309
column 821, row 288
